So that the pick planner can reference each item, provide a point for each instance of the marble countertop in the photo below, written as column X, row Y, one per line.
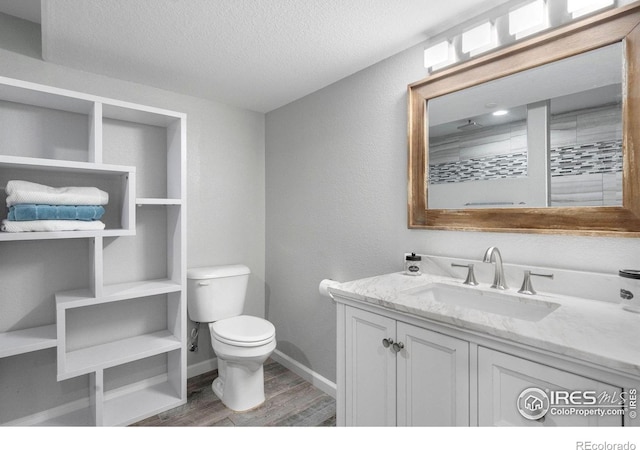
column 599, row 332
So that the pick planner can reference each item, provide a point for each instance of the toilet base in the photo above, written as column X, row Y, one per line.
column 239, row 387
column 217, row 386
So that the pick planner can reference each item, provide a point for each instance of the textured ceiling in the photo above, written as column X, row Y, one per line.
column 255, row 54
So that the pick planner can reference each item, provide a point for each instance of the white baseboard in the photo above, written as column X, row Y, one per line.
column 317, row 380
column 48, row 415
column 202, row 367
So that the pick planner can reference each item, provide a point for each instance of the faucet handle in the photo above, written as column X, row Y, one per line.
column 527, row 287
column 471, row 277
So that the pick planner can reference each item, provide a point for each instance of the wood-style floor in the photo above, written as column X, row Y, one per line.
column 291, row 401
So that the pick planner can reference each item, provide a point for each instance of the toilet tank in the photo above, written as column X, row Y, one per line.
column 217, row 292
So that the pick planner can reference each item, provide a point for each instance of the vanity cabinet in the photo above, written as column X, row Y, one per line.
column 502, row 377
column 395, row 369
column 400, row 374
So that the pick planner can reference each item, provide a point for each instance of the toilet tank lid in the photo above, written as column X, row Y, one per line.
column 201, row 273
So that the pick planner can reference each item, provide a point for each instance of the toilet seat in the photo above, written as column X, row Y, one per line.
column 243, row 331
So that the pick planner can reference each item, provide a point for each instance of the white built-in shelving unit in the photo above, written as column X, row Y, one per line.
column 79, row 352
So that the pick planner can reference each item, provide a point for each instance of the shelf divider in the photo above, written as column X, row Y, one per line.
column 99, row 357
column 158, row 201
column 23, row 162
column 44, row 235
column 27, row 340
column 95, row 133
column 115, row 292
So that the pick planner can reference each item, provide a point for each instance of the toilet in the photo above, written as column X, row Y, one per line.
column 216, row 295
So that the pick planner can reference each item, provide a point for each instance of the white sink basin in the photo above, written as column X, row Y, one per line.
column 503, row 303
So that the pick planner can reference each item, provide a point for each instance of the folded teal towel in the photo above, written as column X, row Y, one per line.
column 28, row 211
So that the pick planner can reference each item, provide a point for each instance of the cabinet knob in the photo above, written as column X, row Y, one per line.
column 386, row 342
column 398, row 346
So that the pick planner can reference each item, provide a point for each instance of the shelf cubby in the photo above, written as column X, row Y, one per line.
column 31, row 376
column 99, row 355
column 130, row 403
column 127, row 409
column 118, row 181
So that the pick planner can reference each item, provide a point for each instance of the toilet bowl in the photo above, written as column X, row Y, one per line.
column 242, row 343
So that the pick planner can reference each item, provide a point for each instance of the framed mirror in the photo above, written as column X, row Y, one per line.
column 559, row 155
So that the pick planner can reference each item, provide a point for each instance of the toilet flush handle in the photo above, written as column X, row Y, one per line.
column 203, row 283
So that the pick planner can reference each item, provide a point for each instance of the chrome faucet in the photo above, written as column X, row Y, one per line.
column 492, row 255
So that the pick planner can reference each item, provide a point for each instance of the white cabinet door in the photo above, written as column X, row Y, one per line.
column 502, row 378
column 370, row 370
column 433, row 378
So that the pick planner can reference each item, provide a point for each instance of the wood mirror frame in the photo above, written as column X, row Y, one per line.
column 617, row 25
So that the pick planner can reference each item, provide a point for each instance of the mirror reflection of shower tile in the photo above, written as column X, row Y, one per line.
column 563, row 130
column 612, row 189
column 444, row 152
column 577, row 190
column 602, row 124
column 480, row 150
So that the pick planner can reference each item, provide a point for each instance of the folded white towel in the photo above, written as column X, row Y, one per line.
column 50, row 225
column 19, row 191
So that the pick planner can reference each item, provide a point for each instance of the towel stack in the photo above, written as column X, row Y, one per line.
column 36, row 207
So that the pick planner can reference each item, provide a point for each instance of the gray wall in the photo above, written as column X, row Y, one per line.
column 336, row 207
column 226, row 211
